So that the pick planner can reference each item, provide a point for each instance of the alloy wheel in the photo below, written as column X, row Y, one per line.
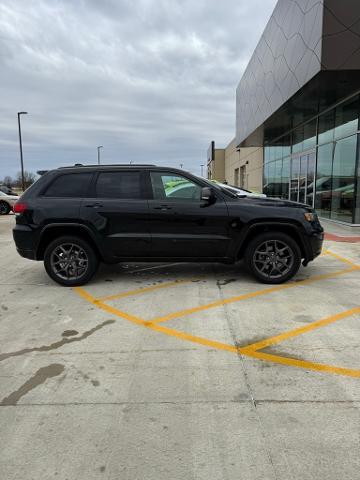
column 69, row 261
column 273, row 258
column 3, row 208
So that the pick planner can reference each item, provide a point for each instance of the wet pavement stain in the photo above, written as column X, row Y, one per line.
column 69, row 333
column 56, row 345
column 37, row 379
column 301, row 278
column 225, row 281
column 245, row 342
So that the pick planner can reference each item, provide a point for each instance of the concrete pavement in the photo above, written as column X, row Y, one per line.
column 146, row 372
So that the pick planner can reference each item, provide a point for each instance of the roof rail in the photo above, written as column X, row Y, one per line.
column 111, row 165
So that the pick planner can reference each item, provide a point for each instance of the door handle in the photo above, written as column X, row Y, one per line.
column 163, row 207
column 94, row 205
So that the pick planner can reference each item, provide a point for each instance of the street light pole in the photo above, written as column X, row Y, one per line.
column 98, row 150
column 202, row 171
column 21, row 151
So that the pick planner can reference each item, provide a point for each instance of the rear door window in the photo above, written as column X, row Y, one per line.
column 73, row 185
column 121, row 185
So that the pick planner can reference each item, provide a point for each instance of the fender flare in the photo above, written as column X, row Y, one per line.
column 85, row 228
column 297, row 228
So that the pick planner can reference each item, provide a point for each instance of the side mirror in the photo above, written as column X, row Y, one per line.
column 208, row 195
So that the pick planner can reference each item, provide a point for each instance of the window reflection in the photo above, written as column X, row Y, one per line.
column 346, row 118
column 343, row 179
column 309, row 135
column 323, row 180
column 285, row 178
column 320, row 173
column 326, row 127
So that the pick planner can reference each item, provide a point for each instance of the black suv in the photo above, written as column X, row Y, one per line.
column 74, row 217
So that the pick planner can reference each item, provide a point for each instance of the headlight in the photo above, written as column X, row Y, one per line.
column 309, row 216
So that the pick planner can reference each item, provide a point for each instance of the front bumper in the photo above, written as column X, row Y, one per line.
column 315, row 243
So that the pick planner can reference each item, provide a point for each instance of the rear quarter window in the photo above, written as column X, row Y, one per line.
column 69, row 185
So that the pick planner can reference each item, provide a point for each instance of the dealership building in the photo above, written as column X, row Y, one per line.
column 297, row 111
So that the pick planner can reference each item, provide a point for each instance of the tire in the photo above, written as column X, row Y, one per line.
column 4, row 208
column 79, row 264
column 273, row 257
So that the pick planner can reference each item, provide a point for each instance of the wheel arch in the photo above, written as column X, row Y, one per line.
column 291, row 229
column 53, row 231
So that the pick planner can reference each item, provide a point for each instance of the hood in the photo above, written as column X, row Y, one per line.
column 275, row 202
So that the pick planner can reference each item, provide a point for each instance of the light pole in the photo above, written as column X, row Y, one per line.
column 181, row 165
column 98, row 150
column 202, row 171
column 21, row 151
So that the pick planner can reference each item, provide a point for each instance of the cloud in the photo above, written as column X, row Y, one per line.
column 151, row 80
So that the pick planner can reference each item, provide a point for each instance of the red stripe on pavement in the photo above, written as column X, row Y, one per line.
column 339, row 238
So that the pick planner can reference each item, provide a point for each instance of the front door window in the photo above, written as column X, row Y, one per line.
column 174, row 187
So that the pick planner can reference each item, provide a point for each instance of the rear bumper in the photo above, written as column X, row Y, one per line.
column 30, row 254
column 24, row 238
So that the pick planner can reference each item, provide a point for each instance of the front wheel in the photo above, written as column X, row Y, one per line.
column 70, row 261
column 273, row 257
column 4, row 208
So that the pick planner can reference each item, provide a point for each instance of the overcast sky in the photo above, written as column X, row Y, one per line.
column 152, row 80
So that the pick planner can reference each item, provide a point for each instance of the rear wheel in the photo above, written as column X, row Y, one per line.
column 70, row 261
column 4, row 208
column 273, row 257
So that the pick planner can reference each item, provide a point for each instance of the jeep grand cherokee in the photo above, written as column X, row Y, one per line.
column 74, row 217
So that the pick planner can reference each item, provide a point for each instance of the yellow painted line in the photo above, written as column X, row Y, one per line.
column 127, row 316
column 250, row 352
column 193, row 338
column 253, row 349
column 266, row 291
column 299, row 331
column 139, row 321
column 293, row 362
column 343, row 259
column 139, row 291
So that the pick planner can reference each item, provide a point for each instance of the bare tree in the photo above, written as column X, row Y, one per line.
column 29, row 179
column 8, row 181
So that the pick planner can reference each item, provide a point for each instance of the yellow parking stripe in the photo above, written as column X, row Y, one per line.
column 293, row 362
column 139, row 321
column 144, row 290
column 237, row 298
column 132, row 318
column 342, row 259
column 299, row 331
column 252, row 350
column 247, row 350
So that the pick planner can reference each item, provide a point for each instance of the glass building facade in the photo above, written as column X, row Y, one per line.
column 317, row 163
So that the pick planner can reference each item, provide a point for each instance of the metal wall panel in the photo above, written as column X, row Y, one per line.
column 287, row 56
